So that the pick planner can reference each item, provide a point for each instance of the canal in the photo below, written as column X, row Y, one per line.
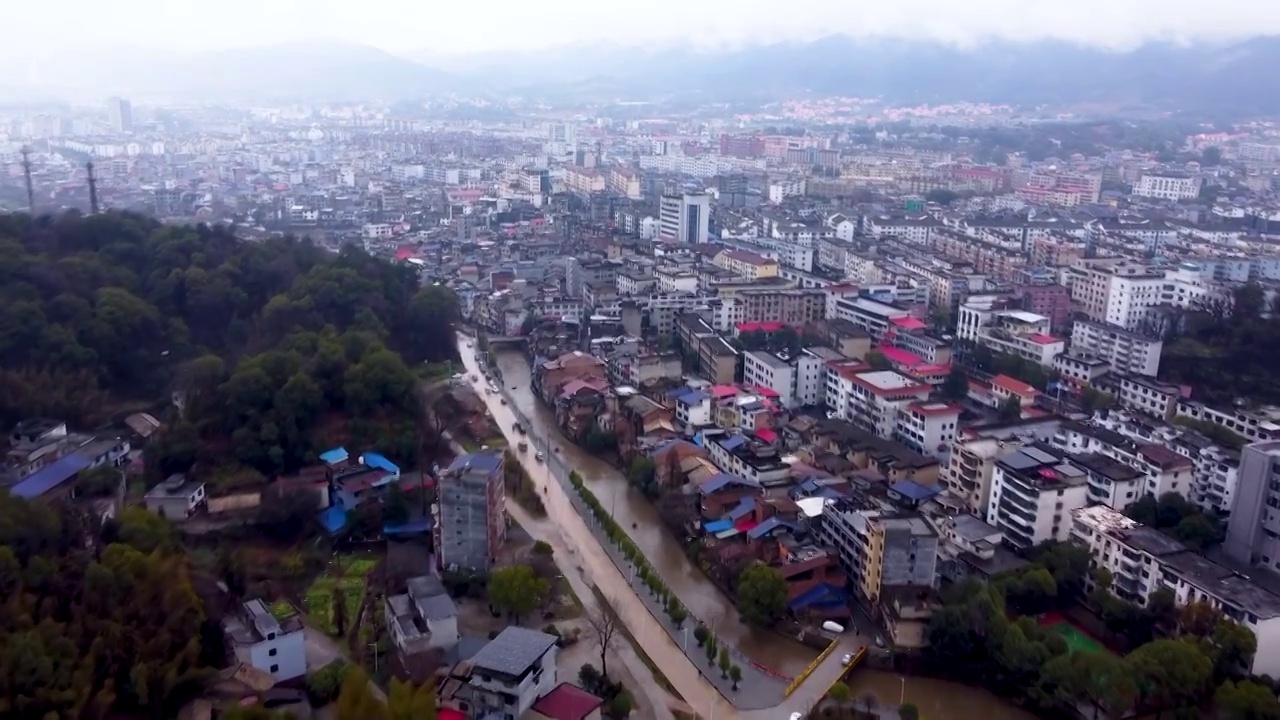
column 630, row 507
column 936, row 699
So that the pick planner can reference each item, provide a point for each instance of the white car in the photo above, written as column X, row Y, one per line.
column 848, row 658
column 796, row 716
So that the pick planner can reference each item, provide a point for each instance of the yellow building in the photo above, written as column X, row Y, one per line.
column 747, row 264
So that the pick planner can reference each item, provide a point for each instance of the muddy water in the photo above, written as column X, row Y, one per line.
column 664, row 552
column 936, row 699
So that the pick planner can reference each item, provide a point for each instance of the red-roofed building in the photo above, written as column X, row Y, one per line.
column 907, row 322
column 566, row 702
column 1001, row 388
column 764, row 327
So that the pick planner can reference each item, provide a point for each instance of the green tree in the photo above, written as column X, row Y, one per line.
column 517, row 590
column 146, row 530
column 284, row 513
column 101, row 481
column 395, row 507
column 907, row 711
column 356, row 700
column 877, row 360
column 339, row 610
column 735, row 674
column 406, row 702
column 1246, row 700
column 1170, row 673
column 1010, row 410
column 677, row 613
column 725, row 663
column 762, row 595
column 956, row 386
column 701, row 634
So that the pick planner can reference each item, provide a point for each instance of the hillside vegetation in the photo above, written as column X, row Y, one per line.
column 275, row 348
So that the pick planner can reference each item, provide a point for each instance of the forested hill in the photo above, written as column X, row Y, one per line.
column 278, row 347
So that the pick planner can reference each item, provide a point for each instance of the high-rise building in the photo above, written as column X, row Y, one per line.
column 120, row 111
column 470, row 524
column 685, row 218
column 1253, row 530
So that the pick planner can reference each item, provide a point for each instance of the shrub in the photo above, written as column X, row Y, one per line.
column 323, row 684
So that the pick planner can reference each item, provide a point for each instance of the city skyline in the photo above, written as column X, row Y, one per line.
column 509, row 26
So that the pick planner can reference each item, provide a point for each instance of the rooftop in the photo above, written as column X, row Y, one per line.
column 514, row 651
column 889, row 381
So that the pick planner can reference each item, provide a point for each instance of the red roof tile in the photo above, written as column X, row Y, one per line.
column 567, row 702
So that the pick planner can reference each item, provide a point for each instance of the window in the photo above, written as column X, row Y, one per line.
column 275, row 668
column 271, row 652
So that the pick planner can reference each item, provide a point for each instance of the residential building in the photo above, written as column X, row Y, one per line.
column 1146, row 395
column 567, row 702
column 793, row 306
column 769, row 370
column 1128, row 352
column 1168, row 186
column 1121, row 291
column 470, row 513
column 1142, row 561
column 867, row 315
column 1080, row 370
column 510, row 674
column 879, row 551
column 1034, row 490
column 257, row 639
column 1253, row 530
column 752, row 266
column 120, row 115
column 685, row 218
column 423, row 617
column 176, row 498
column 970, row 469
column 984, row 322
column 1254, row 424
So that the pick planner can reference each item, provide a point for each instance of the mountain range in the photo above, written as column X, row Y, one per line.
column 1236, row 78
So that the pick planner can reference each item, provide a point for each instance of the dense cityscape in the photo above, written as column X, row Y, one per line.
column 814, row 406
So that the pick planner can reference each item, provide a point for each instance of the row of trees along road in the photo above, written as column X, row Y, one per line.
column 279, row 348
column 1183, row 663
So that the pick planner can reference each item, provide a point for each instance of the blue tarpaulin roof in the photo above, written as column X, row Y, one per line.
column 743, row 509
column 913, row 490
column 721, row 481
column 482, row 461
column 733, row 442
column 690, row 397
column 334, row 456
column 376, row 460
column 716, row 526
column 413, row 527
column 50, row 476
column 823, row 595
column 769, row 526
column 333, row 518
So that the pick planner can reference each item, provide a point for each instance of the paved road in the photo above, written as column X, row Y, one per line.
column 596, row 567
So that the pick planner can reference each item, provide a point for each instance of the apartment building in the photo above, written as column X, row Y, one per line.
column 1253, row 530
column 769, row 370
column 1034, row 490
column 1080, row 370
column 752, row 266
column 869, row 315
column 685, row 218
column 880, row 551
column 1118, row 291
column 1127, row 351
column 469, row 514
column 1002, row 260
column 1142, row 560
column 971, row 467
column 914, row 229
column 1256, row 424
column 1146, row 395
column 791, row 306
column 1168, row 186
column 983, row 321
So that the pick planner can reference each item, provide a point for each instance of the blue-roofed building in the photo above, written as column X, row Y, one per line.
column 745, row 507
column 52, row 477
column 693, row 408
column 378, row 462
column 770, row 526
column 334, row 457
column 911, row 493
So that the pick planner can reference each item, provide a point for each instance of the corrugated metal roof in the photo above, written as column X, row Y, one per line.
column 50, row 476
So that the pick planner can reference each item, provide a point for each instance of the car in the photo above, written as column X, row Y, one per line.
column 502, row 400
column 488, row 391
column 474, row 378
column 796, row 716
column 847, row 659
column 879, row 641
column 540, row 457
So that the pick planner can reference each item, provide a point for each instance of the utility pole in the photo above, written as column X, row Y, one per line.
column 93, row 189
column 26, row 172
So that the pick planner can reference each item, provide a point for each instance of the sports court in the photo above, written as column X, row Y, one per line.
column 1077, row 640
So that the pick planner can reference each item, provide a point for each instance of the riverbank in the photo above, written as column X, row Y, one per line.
column 935, row 699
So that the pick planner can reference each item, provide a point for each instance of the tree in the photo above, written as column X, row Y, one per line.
column 642, row 473
column 101, row 481
column 700, row 634
column 678, row 613
column 711, row 648
column 605, row 626
column 840, row 694
column 517, row 590
column 762, row 595
column 1170, row 673
column 284, row 513
column 324, row 684
column 395, row 507
column 1211, row 156
column 907, row 711
column 146, row 530
column 1246, row 700
column 941, row 196
column 956, row 386
column 406, row 702
column 877, row 360
column 735, row 674
column 356, row 700
column 1011, row 410
column 339, row 601
column 724, row 662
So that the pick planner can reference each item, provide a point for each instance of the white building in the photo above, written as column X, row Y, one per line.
column 767, row 370
column 423, row 618
column 1011, row 332
column 1147, row 395
column 1168, row 186
column 685, row 218
column 259, row 640
column 1143, row 560
column 1251, row 424
column 917, row 230
column 1034, row 490
column 510, row 673
column 1127, row 352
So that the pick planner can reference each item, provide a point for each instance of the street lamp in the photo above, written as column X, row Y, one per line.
column 902, row 695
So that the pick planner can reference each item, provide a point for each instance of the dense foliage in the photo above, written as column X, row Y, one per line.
column 273, row 346
column 88, row 625
column 987, row 634
column 1224, row 348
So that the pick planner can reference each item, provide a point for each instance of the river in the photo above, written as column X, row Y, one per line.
column 664, row 552
column 936, row 699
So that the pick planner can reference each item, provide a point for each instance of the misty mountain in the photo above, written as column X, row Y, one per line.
column 1238, row 77
column 279, row 73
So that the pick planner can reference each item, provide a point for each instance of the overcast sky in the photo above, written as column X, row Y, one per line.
column 451, row 27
